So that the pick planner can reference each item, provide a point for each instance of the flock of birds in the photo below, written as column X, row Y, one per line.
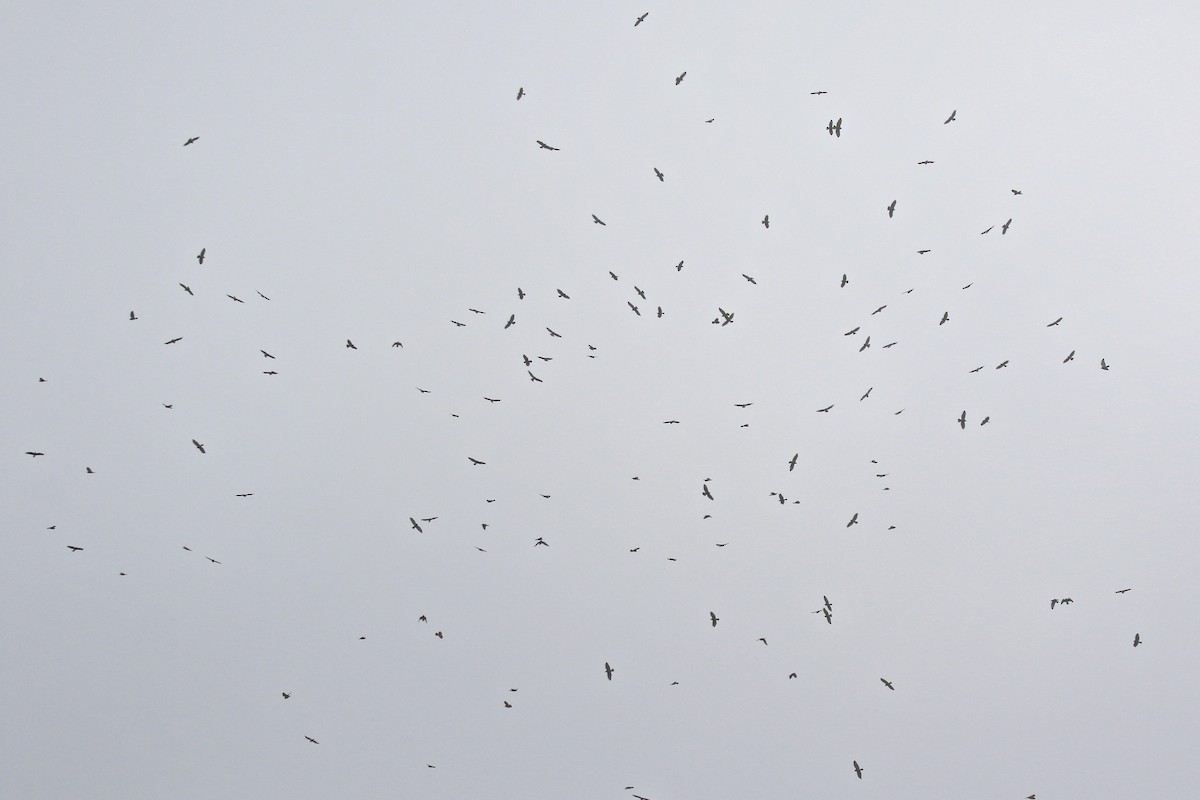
column 723, row 317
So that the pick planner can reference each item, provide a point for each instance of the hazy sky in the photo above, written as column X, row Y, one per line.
column 369, row 169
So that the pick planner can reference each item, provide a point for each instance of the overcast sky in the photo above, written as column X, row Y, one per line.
column 370, row 170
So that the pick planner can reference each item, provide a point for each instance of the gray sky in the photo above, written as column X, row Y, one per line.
column 369, row 169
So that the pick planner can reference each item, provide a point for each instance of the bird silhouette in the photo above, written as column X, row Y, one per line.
column 845, row 280
column 945, row 318
column 1103, row 365
column 534, row 378
column 1137, row 639
column 951, row 118
column 1052, row 324
column 853, row 520
column 658, row 174
column 199, row 446
column 748, row 278
column 1016, row 191
column 190, row 140
column 715, row 619
column 704, row 490
column 314, row 741
column 1122, row 591
column 475, row 461
column 868, row 392
column 792, row 463
column 132, row 316
column 761, row 639
column 608, row 670
column 858, row 770
column 73, row 548
column 350, row 345
column 1070, row 357
column 962, row 420
column 924, row 162
column 1004, row 227
column 235, row 299
column 286, row 695
column 825, row 410
column 891, row 209
column 766, row 221
column 512, row 320
column 520, row 92
column 679, row 80
column 641, row 19
column 200, row 255
column 545, row 146
column 416, row 527
column 835, row 128
column 596, row 220
column 188, row 289
column 989, row 230
column 260, row 294
column 888, row 684
column 173, row 341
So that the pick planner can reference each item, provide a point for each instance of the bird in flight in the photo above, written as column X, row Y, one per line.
column 260, row 294
column 641, row 19
column 835, row 129
column 350, row 345
column 858, row 770
column 962, row 420
column 828, row 615
column 704, row 490
column 888, row 684
column 825, row 410
column 554, row 335
column 761, row 639
column 1002, row 364
column 924, row 162
column 865, row 345
column 985, row 420
column 766, row 221
column 853, row 520
column 1052, row 324
column 868, row 392
column 922, row 252
column 891, row 209
column 876, row 311
column 286, row 695
column 314, row 741
column 534, row 378
column 422, row 391
column 660, row 312
column 1137, row 639
column 132, row 316
column 597, row 221
column 659, row 174
column 713, row 616
column 670, row 422
column 1004, row 227
column 845, row 280
column 748, row 278
column 819, row 92
column 945, row 318
column 1016, row 191
column 563, row 294
column 1122, row 591
column 520, row 293
column 73, row 548
column 492, row 399
column 512, row 320
column 199, row 446
column 743, row 405
column 475, row 461
column 245, row 494
column 1070, row 357
column 188, row 289
column 608, row 670
column 1103, row 365
column 190, row 140
column 173, row 341
column 416, row 527
column 520, row 92
column 792, row 463
column 235, row 299
column 989, row 230
column 679, row 80
column 200, row 255
column 950, row 118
